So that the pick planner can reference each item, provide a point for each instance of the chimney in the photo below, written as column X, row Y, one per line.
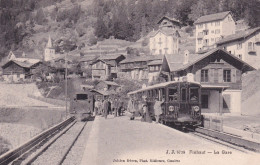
column 186, row 57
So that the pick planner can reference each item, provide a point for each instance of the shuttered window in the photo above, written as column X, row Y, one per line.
column 204, row 76
column 227, row 75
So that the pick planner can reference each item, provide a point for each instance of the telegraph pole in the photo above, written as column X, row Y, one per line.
column 66, row 84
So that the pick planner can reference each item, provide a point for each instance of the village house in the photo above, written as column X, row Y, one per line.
column 165, row 40
column 106, row 67
column 245, row 45
column 219, row 73
column 136, row 67
column 212, row 28
column 107, row 86
column 18, row 70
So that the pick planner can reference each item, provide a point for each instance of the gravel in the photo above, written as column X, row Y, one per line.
column 75, row 155
column 57, row 150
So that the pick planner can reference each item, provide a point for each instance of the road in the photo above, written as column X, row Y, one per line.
column 121, row 141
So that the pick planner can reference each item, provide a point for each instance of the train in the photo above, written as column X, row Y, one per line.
column 82, row 105
column 182, row 105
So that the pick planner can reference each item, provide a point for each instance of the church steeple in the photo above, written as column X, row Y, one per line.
column 49, row 44
column 49, row 52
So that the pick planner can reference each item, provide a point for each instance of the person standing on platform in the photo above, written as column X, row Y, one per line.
column 105, row 107
column 130, row 108
column 146, row 113
column 96, row 107
column 115, row 103
column 158, row 109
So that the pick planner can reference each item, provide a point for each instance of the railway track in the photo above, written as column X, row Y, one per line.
column 50, row 147
column 226, row 139
column 229, row 140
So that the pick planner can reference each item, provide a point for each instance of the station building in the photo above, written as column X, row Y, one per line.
column 219, row 73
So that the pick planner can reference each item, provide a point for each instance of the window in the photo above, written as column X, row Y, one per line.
column 206, row 33
column 217, row 39
column 173, row 95
column 217, row 31
column 239, row 46
column 227, row 75
column 217, row 23
column 160, row 51
column 183, row 94
column 204, row 76
column 251, row 46
column 204, row 101
column 200, row 26
column 199, row 41
column 151, row 68
column 212, row 31
column 194, row 94
column 82, row 97
column 212, row 39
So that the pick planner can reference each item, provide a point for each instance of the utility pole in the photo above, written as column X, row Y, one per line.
column 66, row 84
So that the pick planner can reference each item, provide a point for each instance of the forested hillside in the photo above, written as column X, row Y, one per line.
column 26, row 24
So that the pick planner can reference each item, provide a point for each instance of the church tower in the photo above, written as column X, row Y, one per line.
column 49, row 53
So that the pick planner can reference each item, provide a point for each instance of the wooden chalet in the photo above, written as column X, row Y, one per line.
column 219, row 72
column 107, row 86
column 136, row 67
column 106, row 67
column 16, row 71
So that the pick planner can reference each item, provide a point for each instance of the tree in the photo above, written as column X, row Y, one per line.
column 40, row 17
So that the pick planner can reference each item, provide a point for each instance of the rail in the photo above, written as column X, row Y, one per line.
column 15, row 153
column 230, row 138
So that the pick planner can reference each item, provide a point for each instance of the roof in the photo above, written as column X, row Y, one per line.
column 208, row 86
column 212, row 17
column 104, row 93
column 110, row 57
column 112, row 63
column 167, row 32
column 131, row 59
column 155, row 62
column 170, row 19
column 193, row 59
column 87, row 58
column 238, row 36
column 24, row 64
column 110, row 83
column 158, row 86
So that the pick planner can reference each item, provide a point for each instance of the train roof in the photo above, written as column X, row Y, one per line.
column 161, row 85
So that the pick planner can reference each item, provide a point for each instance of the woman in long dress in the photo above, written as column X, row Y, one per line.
column 146, row 112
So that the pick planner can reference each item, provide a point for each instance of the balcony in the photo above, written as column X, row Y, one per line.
column 257, row 41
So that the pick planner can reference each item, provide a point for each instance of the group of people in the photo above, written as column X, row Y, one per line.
column 140, row 108
column 108, row 106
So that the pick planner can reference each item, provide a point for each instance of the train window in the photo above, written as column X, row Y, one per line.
column 183, row 94
column 173, row 95
column 82, row 96
column 194, row 94
column 163, row 93
column 156, row 93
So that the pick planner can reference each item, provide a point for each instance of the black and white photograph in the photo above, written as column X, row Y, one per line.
column 129, row 82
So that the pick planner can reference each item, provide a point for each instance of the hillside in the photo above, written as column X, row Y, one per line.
column 26, row 24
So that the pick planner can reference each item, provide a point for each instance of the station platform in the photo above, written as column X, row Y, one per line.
column 123, row 141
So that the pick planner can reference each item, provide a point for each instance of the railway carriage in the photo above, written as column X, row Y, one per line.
column 182, row 105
